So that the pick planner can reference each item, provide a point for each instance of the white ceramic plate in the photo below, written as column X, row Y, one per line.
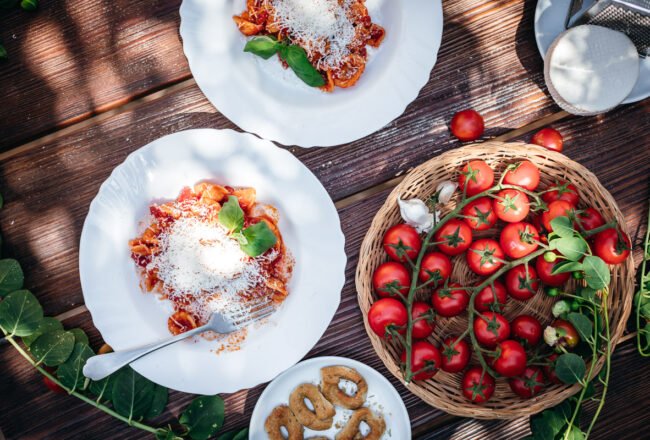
column 382, row 398
column 550, row 16
column 127, row 317
column 263, row 98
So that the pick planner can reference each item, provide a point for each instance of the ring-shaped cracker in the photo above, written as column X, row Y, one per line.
column 279, row 417
column 351, row 429
column 330, row 378
column 322, row 417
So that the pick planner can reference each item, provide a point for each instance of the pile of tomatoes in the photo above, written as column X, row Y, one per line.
column 508, row 345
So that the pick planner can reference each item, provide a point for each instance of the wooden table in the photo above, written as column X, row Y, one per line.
column 89, row 82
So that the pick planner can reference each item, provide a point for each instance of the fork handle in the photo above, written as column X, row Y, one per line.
column 100, row 366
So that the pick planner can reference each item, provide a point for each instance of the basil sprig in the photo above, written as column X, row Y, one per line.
column 294, row 55
column 255, row 239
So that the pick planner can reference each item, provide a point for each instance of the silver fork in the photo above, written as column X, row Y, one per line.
column 100, row 366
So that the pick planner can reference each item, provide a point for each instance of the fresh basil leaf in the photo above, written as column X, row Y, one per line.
column 582, row 324
column 158, row 402
column 231, row 215
column 29, row 5
column 296, row 58
column 596, row 272
column 546, row 425
column 235, row 435
column 562, row 226
column 53, row 348
column 11, row 276
column 47, row 325
column 70, row 372
column 589, row 294
column 573, row 248
column 79, row 335
column 103, row 389
column 570, row 368
column 264, row 46
column 566, row 266
column 259, row 239
column 203, row 417
column 132, row 393
column 167, row 434
column 20, row 313
column 575, row 433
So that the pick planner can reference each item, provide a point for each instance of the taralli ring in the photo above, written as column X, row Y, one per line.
column 321, row 418
column 279, row 417
column 351, row 430
column 330, row 379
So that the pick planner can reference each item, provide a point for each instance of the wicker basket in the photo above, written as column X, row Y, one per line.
column 443, row 391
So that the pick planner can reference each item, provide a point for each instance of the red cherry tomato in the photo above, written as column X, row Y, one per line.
column 454, row 237
column 423, row 327
column 527, row 330
column 455, row 354
column 389, row 277
column 449, row 302
column 558, row 208
column 529, row 384
column 520, row 286
column 548, row 138
column 478, row 385
column 567, row 333
column 478, row 175
column 562, row 191
column 524, row 174
column 519, row 239
column 544, row 271
column 479, row 214
column 485, row 256
column 588, row 219
column 511, row 205
column 511, row 359
column 50, row 384
column 612, row 245
column 402, row 241
column 489, row 299
column 387, row 314
column 425, row 360
column 467, row 125
column 491, row 328
column 435, row 262
column 549, row 370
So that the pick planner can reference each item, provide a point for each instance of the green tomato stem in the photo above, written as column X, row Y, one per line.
column 642, row 291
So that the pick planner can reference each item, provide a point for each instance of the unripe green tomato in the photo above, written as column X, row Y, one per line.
column 29, row 5
column 575, row 305
column 552, row 291
column 550, row 257
column 578, row 275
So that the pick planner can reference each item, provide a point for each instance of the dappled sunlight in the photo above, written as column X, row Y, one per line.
column 50, row 237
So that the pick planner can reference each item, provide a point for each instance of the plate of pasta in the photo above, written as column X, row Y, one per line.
column 206, row 221
column 318, row 73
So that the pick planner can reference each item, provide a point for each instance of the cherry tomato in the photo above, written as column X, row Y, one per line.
column 557, row 208
column 520, row 286
column 390, row 277
column 524, row 174
column 548, row 138
column 50, row 384
column 435, row 262
column 549, row 370
column 489, row 299
column 423, row 327
column 425, row 360
column 454, row 237
column 491, row 328
column 529, row 384
column 467, row 125
column 449, row 302
column 511, row 205
column 479, row 214
column 527, row 330
column 562, row 191
column 387, row 314
column 544, row 271
column 588, row 219
column 567, row 333
column 478, row 385
column 485, row 256
column 519, row 239
column 511, row 359
column 455, row 354
column 478, row 175
column 402, row 241
column 612, row 245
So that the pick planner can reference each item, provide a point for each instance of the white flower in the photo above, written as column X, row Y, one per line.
column 550, row 336
column 415, row 213
column 446, row 190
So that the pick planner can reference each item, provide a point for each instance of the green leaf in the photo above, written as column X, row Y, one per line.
column 29, row 5
column 264, row 47
column 596, row 272
column 546, row 425
column 20, row 313
column 79, row 335
column 573, row 248
column 297, row 59
column 570, row 368
column 132, row 393
column 231, row 215
column 70, row 372
column 11, row 276
column 563, row 227
column 158, row 402
column 582, row 324
column 53, row 348
column 203, row 417
column 259, row 239
column 566, row 266
column 235, row 435
column 589, row 294
column 575, row 433
column 47, row 325
column 167, row 434
column 103, row 389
